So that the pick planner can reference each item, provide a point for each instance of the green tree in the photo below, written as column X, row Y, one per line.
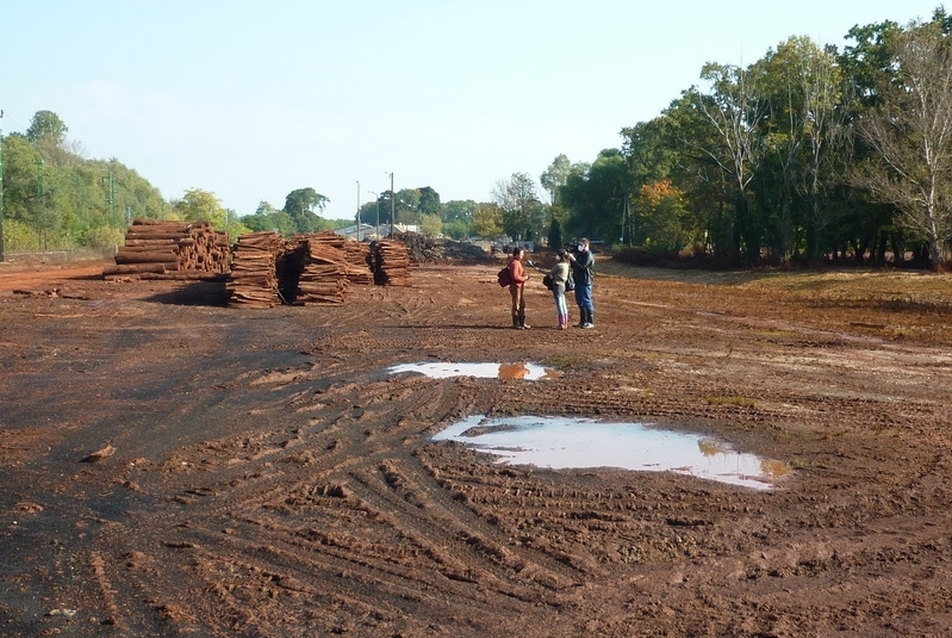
column 523, row 215
column 555, row 177
column 201, row 205
column 734, row 111
column 555, row 233
column 803, row 134
column 268, row 218
column 911, row 130
column 429, row 202
column 487, row 221
column 652, row 156
column 304, row 205
column 431, row 225
column 407, row 206
column 595, row 196
column 458, row 228
column 459, row 210
column 46, row 126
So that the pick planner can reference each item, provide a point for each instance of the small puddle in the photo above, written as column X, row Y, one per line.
column 443, row 370
column 559, row 443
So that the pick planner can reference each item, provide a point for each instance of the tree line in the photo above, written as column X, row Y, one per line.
column 809, row 154
column 55, row 198
column 812, row 153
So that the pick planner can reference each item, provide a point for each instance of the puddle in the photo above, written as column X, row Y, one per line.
column 443, row 370
column 560, row 443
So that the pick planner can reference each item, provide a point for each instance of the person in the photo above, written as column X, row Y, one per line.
column 560, row 275
column 583, row 272
column 518, row 279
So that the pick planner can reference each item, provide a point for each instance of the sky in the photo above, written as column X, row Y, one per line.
column 252, row 100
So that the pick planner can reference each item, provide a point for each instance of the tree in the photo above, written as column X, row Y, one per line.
column 459, row 210
column 661, row 208
column 429, row 202
column 555, row 233
column 595, row 196
column 803, row 133
column 268, row 218
column 487, row 221
column 47, row 126
column 304, row 205
column 734, row 111
column 407, row 206
column 201, row 205
column 555, row 177
column 652, row 156
column 458, row 218
column 523, row 216
column 431, row 225
column 911, row 129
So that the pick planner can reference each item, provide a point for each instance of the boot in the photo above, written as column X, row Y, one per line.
column 563, row 321
column 589, row 319
column 581, row 318
column 522, row 322
column 515, row 321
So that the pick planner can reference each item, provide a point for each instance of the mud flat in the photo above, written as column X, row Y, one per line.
column 173, row 466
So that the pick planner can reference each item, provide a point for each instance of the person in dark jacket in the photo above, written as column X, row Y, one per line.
column 583, row 272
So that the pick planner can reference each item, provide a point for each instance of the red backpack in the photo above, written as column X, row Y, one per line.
column 504, row 277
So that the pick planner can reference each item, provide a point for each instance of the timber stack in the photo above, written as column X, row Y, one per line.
column 254, row 275
column 390, row 263
column 352, row 254
column 171, row 250
column 312, row 272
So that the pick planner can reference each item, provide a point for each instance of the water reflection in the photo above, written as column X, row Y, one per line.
column 558, row 442
column 443, row 370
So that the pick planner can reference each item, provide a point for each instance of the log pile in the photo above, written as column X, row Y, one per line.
column 312, row 272
column 390, row 263
column 353, row 255
column 254, row 276
column 170, row 248
column 312, row 268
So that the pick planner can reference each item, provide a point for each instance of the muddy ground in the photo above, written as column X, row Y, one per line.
column 170, row 466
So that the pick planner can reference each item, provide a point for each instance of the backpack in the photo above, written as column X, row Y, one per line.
column 504, row 277
column 548, row 282
column 569, row 283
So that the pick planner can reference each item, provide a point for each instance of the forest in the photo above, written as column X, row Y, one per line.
column 811, row 154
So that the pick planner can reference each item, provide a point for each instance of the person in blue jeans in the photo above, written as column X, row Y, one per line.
column 583, row 272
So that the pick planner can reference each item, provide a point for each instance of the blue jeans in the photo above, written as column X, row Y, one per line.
column 583, row 296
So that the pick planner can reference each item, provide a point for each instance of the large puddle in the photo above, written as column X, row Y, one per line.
column 559, row 443
column 443, row 370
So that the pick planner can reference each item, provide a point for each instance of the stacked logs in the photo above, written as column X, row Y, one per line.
column 171, row 248
column 352, row 254
column 254, row 278
column 312, row 272
column 390, row 263
column 313, row 268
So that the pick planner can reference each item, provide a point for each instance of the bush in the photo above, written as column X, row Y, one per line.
column 104, row 237
column 18, row 237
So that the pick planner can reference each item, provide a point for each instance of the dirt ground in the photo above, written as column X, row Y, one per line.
column 170, row 466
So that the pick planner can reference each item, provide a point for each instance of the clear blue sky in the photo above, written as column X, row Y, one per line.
column 251, row 100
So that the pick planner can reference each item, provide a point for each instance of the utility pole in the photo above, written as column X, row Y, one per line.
column 393, row 197
column 1, row 189
column 357, row 215
column 110, row 184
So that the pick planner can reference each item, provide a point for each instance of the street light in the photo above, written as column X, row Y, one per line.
column 357, row 215
column 391, row 204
